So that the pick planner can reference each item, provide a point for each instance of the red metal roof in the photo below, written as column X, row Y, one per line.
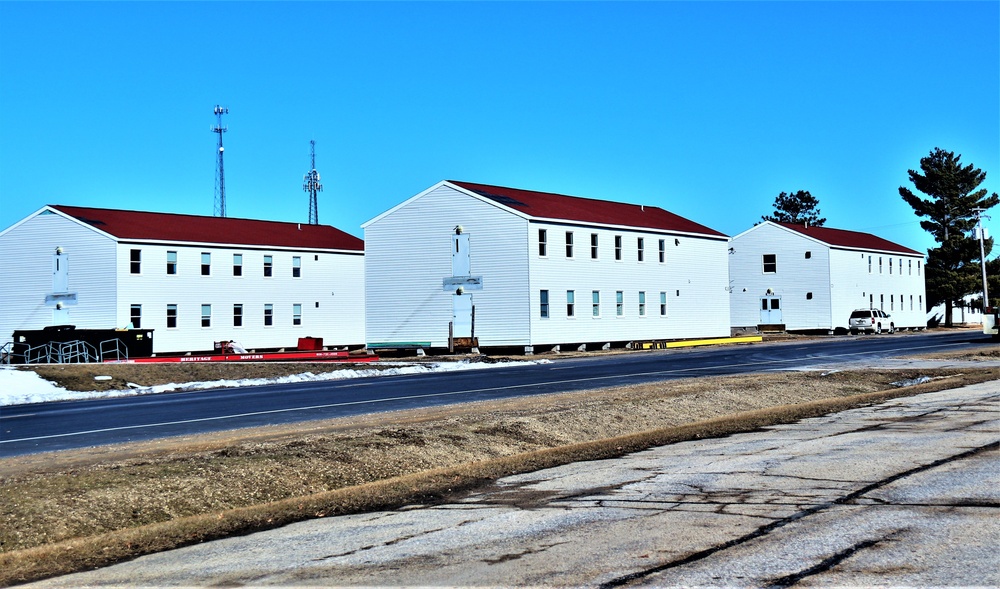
column 545, row 205
column 171, row 227
column 852, row 239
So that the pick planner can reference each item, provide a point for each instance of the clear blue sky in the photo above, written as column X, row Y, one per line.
column 707, row 109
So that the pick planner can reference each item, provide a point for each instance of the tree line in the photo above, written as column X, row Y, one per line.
column 953, row 204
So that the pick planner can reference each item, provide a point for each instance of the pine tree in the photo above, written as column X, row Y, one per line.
column 952, row 268
column 798, row 208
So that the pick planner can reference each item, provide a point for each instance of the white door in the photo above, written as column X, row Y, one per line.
column 461, row 304
column 770, row 310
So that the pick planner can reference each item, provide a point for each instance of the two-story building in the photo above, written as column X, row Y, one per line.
column 194, row 280
column 528, row 269
column 811, row 278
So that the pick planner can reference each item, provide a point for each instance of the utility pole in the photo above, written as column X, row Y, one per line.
column 981, row 233
column 310, row 183
column 220, row 170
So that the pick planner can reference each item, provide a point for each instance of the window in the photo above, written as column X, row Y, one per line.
column 618, row 247
column 267, row 266
column 268, row 315
column 297, row 314
column 909, row 267
column 237, row 264
column 809, row 296
column 880, row 264
column 871, row 301
column 770, row 263
column 640, row 245
column 869, row 264
column 596, row 299
column 171, row 262
column 642, row 303
column 881, row 302
column 206, row 263
column 593, row 246
column 663, row 250
column 171, row 316
column 890, row 265
column 543, row 237
column 296, row 267
column 892, row 298
column 911, row 302
column 543, row 299
column 920, row 298
column 663, row 303
column 809, row 255
column 135, row 316
column 918, row 267
column 206, row 315
column 569, row 244
column 570, row 301
column 619, row 303
column 135, row 259
column 237, row 315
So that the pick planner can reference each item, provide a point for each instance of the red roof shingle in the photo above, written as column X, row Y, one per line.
column 172, row 227
column 852, row 239
column 545, row 205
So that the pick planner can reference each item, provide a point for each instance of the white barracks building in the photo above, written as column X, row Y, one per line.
column 193, row 280
column 528, row 269
column 811, row 278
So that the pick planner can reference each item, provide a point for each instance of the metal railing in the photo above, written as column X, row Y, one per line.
column 113, row 349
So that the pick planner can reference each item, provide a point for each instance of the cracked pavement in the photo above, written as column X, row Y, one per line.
column 904, row 493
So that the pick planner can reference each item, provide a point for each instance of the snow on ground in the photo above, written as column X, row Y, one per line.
column 19, row 387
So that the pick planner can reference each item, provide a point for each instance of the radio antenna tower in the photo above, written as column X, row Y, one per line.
column 220, row 170
column 310, row 183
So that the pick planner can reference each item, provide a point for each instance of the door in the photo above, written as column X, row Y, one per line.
column 770, row 310
column 461, row 303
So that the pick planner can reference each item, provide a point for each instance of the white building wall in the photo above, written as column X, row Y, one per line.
column 26, row 265
column 408, row 254
column 860, row 284
column 803, row 284
column 693, row 278
column 329, row 291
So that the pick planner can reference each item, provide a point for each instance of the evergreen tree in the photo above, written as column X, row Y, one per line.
column 798, row 208
column 953, row 269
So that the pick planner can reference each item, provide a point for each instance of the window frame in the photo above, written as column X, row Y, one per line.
column 543, row 303
column 296, row 266
column 640, row 248
column 569, row 245
column 543, row 243
column 237, row 315
column 663, row 303
column 171, row 263
column 135, row 261
column 296, row 314
column 135, row 318
column 268, row 314
column 172, row 317
column 570, row 304
column 663, row 251
column 773, row 263
column 238, row 265
column 268, row 266
column 594, row 243
column 206, row 266
column 619, row 303
column 595, row 301
column 618, row 248
column 206, row 319
column 642, row 303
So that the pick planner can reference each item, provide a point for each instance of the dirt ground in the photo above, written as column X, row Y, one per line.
column 71, row 510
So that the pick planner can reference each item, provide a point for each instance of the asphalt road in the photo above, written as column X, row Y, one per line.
column 904, row 493
column 43, row 427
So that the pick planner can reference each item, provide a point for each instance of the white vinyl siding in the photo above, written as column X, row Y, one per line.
column 408, row 255
column 817, row 291
column 93, row 262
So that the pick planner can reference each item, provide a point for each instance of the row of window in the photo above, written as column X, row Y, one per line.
column 543, row 246
column 769, row 262
column 135, row 315
column 135, row 264
column 595, row 303
column 892, row 302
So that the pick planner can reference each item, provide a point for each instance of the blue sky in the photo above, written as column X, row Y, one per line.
column 707, row 109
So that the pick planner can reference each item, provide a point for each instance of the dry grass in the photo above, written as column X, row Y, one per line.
column 75, row 510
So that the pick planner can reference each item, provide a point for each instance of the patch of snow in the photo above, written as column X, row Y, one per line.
column 912, row 381
column 20, row 387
